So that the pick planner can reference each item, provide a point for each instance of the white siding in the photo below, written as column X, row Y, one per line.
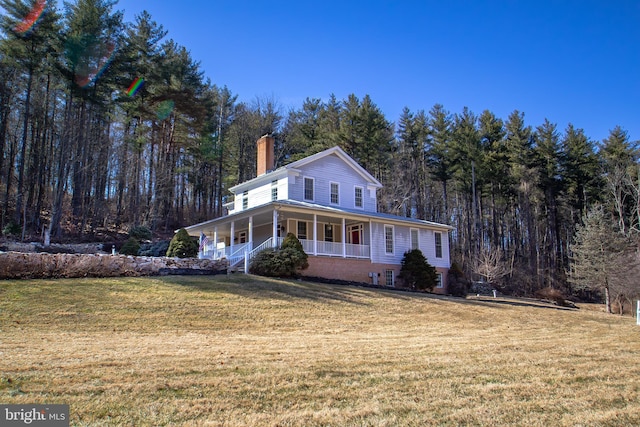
column 257, row 196
column 262, row 195
column 428, row 247
column 402, row 243
column 330, row 169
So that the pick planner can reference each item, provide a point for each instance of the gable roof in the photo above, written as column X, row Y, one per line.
column 342, row 155
column 295, row 166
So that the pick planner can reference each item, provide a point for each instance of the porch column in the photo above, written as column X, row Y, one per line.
column 233, row 233
column 250, row 233
column 344, row 238
column 315, row 234
column 370, row 239
column 275, row 228
column 215, row 242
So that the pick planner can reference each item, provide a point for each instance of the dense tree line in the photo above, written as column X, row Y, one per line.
column 106, row 125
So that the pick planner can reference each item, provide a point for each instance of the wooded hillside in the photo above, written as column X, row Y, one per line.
column 106, row 124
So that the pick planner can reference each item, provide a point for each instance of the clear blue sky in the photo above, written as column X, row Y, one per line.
column 571, row 61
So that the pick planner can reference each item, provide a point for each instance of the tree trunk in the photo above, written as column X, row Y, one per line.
column 23, row 149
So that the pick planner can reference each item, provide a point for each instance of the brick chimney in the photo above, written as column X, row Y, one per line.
column 266, row 161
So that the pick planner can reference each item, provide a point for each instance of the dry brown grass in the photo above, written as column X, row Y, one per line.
column 243, row 351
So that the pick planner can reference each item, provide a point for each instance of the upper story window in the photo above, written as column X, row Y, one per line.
column 335, row 192
column 414, row 239
column 438, row 245
column 245, row 199
column 308, row 189
column 388, row 239
column 358, row 197
column 274, row 191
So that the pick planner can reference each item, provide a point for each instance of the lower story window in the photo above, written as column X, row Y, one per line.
column 302, row 230
column 328, row 233
column 439, row 283
column 388, row 275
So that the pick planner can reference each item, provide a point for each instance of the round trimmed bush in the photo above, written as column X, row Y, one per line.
column 131, row 247
column 182, row 245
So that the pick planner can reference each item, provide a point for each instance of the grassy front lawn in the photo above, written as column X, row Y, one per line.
column 247, row 351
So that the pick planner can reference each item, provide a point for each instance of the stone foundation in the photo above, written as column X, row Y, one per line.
column 17, row 265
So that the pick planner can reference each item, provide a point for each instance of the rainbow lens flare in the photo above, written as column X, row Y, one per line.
column 103, row 59
column 137, row 83
column 32, row 17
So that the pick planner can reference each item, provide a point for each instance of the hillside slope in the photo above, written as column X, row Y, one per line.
column 242, row 350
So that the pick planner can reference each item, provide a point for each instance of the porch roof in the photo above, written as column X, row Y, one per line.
column 310, row 208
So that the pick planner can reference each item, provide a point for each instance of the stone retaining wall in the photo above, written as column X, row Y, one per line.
column 17, row 265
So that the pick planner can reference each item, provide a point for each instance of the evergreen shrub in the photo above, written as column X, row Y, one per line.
column 12, row 229
column 131, row 247
column 140, row 233
column 182, row 245
column 416, row 272
column 283, row 262
column 457, row 284
column 157, row 249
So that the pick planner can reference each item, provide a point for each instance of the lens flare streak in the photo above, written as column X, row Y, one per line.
column 135, row 86
column 32, row 17
column 95, row 72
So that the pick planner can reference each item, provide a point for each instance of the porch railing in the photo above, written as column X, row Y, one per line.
column 323, row 249
column 336, row 249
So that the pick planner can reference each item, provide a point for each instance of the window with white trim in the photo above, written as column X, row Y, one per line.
column 245, row 199
column 302, row 230
column 438, row 245
column 414, row 239
column 274, row 191
column 388, row 239
column 358, row 197
column 388, row 276
column 328, row 233
column 308, row 189
column 439, row 283
column 335, row 193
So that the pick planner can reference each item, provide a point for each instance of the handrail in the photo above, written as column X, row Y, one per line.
column 264, row 245
column 238, row 255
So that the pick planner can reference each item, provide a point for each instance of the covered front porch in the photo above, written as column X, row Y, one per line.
column 239, row 237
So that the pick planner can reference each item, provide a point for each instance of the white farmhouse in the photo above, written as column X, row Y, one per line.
column 329, row 202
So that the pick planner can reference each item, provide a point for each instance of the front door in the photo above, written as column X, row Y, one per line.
column 354, row 234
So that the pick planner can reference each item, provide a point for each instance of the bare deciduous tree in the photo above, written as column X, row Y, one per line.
column 491, row 265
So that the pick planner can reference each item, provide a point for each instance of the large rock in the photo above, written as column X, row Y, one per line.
column 17, row 265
